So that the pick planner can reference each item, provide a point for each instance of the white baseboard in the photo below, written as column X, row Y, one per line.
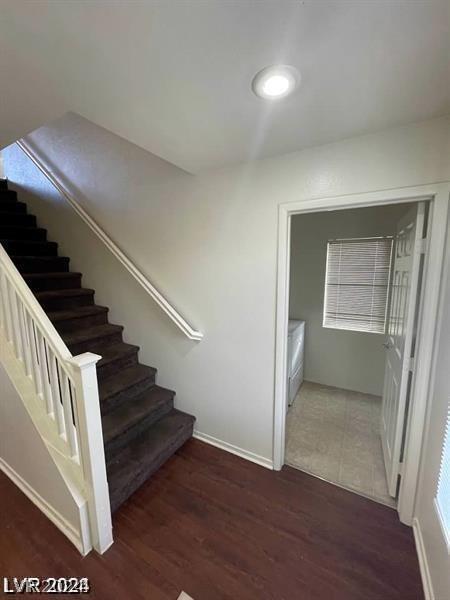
column 209, row 439
column 423, row 562
column 55, row 517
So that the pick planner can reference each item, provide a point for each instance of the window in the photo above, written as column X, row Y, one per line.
column 442, row 501
column 357, row 284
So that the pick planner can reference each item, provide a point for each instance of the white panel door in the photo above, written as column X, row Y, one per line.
column 408, row 247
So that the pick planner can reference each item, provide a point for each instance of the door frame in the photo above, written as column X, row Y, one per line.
column 438, row 195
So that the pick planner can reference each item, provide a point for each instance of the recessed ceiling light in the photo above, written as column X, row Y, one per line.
column 276, row 82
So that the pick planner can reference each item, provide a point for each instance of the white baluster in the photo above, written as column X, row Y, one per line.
column 56, row 393
column 17, row 303
column 90, row 437
column 2, row 301
column 6, row 307
column 43, row 359
column 26, row 340
column 2, row 311
column 15, row 322
column 68, row 413
column 34, row 356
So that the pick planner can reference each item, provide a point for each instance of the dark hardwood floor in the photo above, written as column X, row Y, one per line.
column 219, row 527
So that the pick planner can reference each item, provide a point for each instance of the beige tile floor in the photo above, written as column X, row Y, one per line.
column 334, row 434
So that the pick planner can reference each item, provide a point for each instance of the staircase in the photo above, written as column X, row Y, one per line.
column 141, row 427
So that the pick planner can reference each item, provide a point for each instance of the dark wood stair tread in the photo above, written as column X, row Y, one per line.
column 91, row 333
column 52, row 275
column 145, row 408
column 52, row 281
column 124, row 384
column 125, row 379
column 144, row 454
column 7, row 210
column 28, row 248
column 6, row 194
column 10, row 205
column 9, row 218
column 38, row 257
column 116, row 358
column 39, row 264
column 73, row 313
column 65, row 293
column 16, row 233
column 115, row 351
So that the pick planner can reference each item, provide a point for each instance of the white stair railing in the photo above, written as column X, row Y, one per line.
column 66, row 393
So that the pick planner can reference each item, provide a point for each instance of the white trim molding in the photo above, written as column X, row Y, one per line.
column 255, row 458
column 423, row 562
column 143, row 281
column 438, row 194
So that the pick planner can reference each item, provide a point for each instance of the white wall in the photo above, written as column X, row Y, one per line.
column 350, row 360
column 437, row 558
column 209, row 242
column 24, row 457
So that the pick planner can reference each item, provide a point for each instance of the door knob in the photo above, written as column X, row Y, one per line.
column 387, row 345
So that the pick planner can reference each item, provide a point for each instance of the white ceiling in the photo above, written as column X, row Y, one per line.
column 174, row 76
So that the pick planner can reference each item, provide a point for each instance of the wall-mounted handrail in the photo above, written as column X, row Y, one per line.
column 162, row 302
column 64, row 393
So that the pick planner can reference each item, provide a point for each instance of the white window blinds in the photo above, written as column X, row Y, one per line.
column 357, row 284
column 443, row 493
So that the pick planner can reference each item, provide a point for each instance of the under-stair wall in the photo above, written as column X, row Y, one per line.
column 25, row 459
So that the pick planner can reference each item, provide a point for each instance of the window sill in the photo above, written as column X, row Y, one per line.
column 352, row 330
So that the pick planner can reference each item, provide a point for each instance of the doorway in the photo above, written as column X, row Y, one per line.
column 341, row 280
column 409, row 448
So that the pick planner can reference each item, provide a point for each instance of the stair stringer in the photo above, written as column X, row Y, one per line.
column 77, row 528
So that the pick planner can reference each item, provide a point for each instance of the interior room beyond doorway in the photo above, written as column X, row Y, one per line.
column 333, row 422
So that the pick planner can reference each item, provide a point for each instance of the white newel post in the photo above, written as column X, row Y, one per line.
column 92, row 453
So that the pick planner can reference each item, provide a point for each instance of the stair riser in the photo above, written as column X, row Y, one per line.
column 118, row 497
column 12, row 206
column 90, row 345
column 70, row 325
column 6, row 194
column 117, row 399
column 23, row 248
column 39, row 265
column 64, row 303
column 23, row 233
column 113, row 366
column 17, row 220
column 122, row 440
column 56, row 283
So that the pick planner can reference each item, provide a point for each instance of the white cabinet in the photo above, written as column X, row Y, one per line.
column 295, row 356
